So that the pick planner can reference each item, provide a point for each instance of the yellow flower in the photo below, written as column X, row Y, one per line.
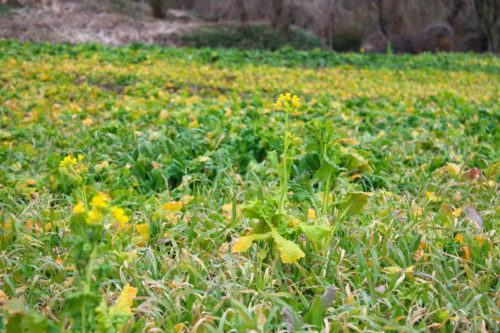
column 94, row 216
column 68, row 161
column 100, row 201
column 143, row 231
column 119, row 215
column 311, row 214
column 287, row 99
column 79, row 208
column 295, row 101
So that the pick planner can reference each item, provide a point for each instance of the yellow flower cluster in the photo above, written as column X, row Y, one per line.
column 72, row 163
column 119, row 215
column 288, row 99
column 100, row 207
column 99, row 201
column 68, row 162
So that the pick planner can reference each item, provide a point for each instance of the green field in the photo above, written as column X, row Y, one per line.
column 145, row 189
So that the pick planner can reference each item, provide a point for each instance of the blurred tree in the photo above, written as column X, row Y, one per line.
column 282, row 15
column 241, row 7
column 159, row 8
column 488, row 12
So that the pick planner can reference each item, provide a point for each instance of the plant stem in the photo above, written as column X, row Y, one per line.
column 326, row 194
column 86, row 287
column 284, row 162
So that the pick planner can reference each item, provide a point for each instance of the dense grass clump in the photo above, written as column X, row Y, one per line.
column 182, row 190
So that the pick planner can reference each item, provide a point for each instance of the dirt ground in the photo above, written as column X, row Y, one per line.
column 110, row 22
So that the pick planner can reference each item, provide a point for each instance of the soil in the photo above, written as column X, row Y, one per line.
column 109, row 22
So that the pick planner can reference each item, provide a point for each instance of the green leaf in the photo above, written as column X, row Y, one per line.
column 14, row 325
column 289, row 251
column 354, row 202
column 315, row 232
column 308, row 164
column 315, row 314
column 30, row 322
column 253, row 210
column 327, row 169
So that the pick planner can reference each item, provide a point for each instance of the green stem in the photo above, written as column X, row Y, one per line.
column 86, row 286
column 326, row 195
column 284, row 162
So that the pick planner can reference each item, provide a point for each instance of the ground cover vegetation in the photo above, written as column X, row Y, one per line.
column 145, row 189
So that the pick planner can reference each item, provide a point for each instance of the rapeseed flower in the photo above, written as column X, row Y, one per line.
column 94, row 216
column 288, row 99
column 68, row 162
column 79, row 208
column 119, row 215
column 99, row 201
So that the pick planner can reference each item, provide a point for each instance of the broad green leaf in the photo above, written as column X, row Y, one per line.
column 289, row 251
column 253, row 210
column 315, row 232
column 244, row 243
column 308, row 164
column 354, row 202
column 327, row 168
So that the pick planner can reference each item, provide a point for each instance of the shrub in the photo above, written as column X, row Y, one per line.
column 253, row 36
column 345, row 41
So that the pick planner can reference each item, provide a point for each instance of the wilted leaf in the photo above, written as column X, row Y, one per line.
column 15, row 305
column 289, row 251
column 124, row 303
column 453, row 169
column 244, row 243
column 473, row 215
column 179, row 327
column 174, row 206
column 355, row 161
column 392, row 269
column 349, row 141
column 472, row 174
column 291, row 319
column 328, row 296
column 3, row 297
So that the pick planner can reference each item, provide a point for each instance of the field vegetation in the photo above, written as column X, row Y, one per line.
column 145, row 189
